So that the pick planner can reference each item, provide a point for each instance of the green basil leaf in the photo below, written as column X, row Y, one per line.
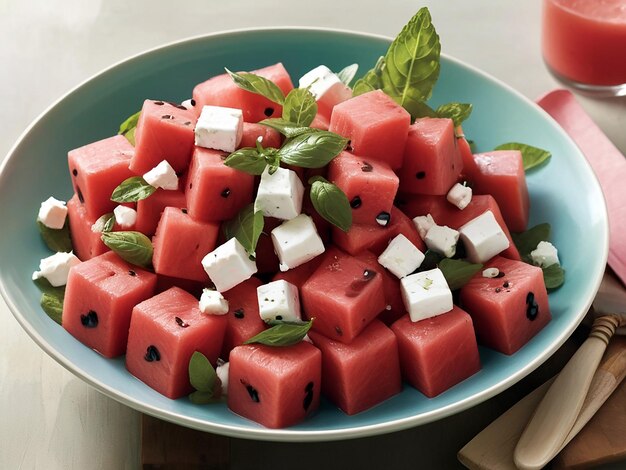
column 51, row 299
column 312, row 149
column 259, row 85
column 202, row 375
column 300, row 107
column 431, row 260
column 287, row 128
column 458, row 112
column 132, row 189
column 412, row 64
column 203, row 398
column 246, row 227
column 346, row 75
column 133, row 247
column 527, row 241
column 104, row 223
column 56, row 239
column 553, row 276
column 128, row 127
column 531, row 156
column 458, row 272
column 246, row 159
column 331, row 203
column 371, row 80
column 282, row 334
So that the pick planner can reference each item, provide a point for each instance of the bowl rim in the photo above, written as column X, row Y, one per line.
column 289, row 434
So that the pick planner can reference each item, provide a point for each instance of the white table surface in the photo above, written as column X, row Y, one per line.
column 51, row 420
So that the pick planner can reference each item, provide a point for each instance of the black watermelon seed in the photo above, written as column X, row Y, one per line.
column 180, row 106
column 190, row 185
column 159, row 103
column 254, row 395
column 184, row 211
column 532, row 308
column 278, row 317
column 152, row 354
column 368, row 274
column 308, row 387
column 193, row 102
column 132, row 273
column 268, row 111
column 79, row 193
column 356, row 202
column 367, row 168
column 90, row 320
column 500, row 274
column 498, row 289
column 420, row 175
column 75, row 172
column 238, row 313
column 225, row 193
column 506, row 284
column 308, row 399
column 349, row 146
column 186, row 123
column 357, row 286
column 383, row 218
column 167, row 116
column 180, row 322
column 338, row 331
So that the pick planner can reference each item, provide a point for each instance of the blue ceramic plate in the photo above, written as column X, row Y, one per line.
column 564, row 193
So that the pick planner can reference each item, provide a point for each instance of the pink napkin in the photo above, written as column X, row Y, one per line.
column 607, row 162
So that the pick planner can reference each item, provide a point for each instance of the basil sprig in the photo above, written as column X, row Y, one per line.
column 282, row 334
column 331, row 203
column 204, row 379
column 249, row 160
column 104, row 223
column 525, row 242
column 458, row 272
column 531, row 156
column 300, row 107
column 553, row 276
column 346, row 75
column 458, row 112
column 286, row 128
column 128, row 127
column 132, row 189
column 51, row 299
column 133, row 247
column 312, row 149
column 259, row 85
column 58, row 240
column 246, row 227
column 372, row 80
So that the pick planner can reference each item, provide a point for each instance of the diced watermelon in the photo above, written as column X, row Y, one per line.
column 222, row 91
column 432, row 161
column 99, row 298
column 86, row 242
column 507, row 311
column 344, row 295
column 300, row 274
column 251, row 132
column 180, row 243
column 97, row 169
column 165, row 131
column 165, row 331
column 438, row 352
column 375, row 124
column 167, row 282
column 320, row 122
column 275, row 386
column 214, row 191
column 370, row 187
column 149, row 210
column 469, row 164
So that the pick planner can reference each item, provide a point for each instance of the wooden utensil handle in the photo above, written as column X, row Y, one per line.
column 557, row 412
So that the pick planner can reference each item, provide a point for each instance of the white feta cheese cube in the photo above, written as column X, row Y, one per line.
column 325, row 86
column 459, row 195
column 280, row 194
column 491, row 272
column 296, row 242
column 219, row 128
column 279, row 300
column 125, row 216
column 228, row 265
column 222, row 373
column 483, row 238
column 52, row 213
column 423, row 223
column 545, row 255
column 212, row 302
column 162, row 176
column 56, row 268
column 442, row 239
column 426, row 294
column 401, row 257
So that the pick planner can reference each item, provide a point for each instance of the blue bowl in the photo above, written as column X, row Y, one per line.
column 564, row 193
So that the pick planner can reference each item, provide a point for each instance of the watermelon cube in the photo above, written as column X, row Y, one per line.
column 167, row 282
column 164, row 132
column 222, row 91
column 99, row 299
column 370, row 187
column 507, row 311
column 96, row 169
column 359, row 375
column 321, row 122
column 438, row 352
column 214, row 191
column 149, row 210
column 344, row 295
column 299, row 275
column 275, row 386
column 165, row 331
column 180, row 243
column 432, row 161
column 86, row 242
column 375, row 124
column 252, row 131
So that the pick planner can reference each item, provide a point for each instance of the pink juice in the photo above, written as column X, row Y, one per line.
column 585, row 40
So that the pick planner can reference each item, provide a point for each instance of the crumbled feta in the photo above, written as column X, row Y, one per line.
column 442, row 239
column 56, row 268
column 483, row 238
column 52, row 213
column 213, row 302
column 459, row 195
column 228, row 265
column 279, row 194
column 426, row 294
column 219, row 128
column 162, row 176
column 545, row 255
column 423, row 223
column 401, row 257
column 325, row 86
column 491, row 272
column 125, row 216
column 222, row 373
column 296, row 242
column 279, row 300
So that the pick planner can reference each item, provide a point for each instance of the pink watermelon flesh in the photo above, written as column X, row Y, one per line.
column 299, row 275
column 507, row 311
column 96, row 169
column 320, row 122
column 99, row 298
column 180, row 243
column 432, row 161
column 165, row 331
column 167, row 282
column 214, row 191
column 165, row 131
column 369, row 186
column 344, row 295
column 222, row 91
column 275, row 386
column 375, row 124
column 252, row 131
column 469, row 164
column 149, row 210
column 86, row 242
column 360, row 375
column 437, row 353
